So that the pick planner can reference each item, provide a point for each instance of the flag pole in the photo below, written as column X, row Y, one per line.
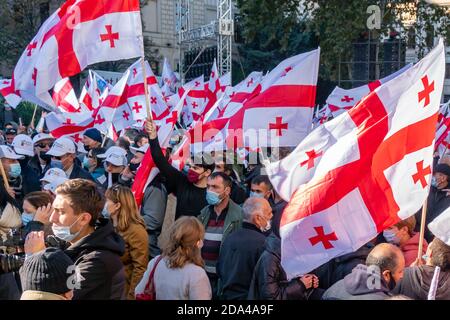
column 34, row 115
column 422, row 229
column 147, row 98
column 5, row 178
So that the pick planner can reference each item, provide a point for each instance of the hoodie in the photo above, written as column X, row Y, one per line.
column 97, row 259
column 361, row 284
column 416, row 283
column 411, row 247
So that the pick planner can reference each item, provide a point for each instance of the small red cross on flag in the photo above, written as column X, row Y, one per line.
column 173, row 119
column 137, row 107
column 325, row 239
column 194, row 104
column 134, row 72
column 249, row 83
column 126, row 115
column 76, row 138
column 347, row 99
column 110, row 36
column 31, row 47
column 427, row 90
column 311, row 156
column 153, row 100
column 278, row 126
column 99, row 120
column 421, row 174
column 68, row 121
column 34, row 76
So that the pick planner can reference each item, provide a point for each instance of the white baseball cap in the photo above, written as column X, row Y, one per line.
column 53, row 174
column 23, row 145
column 42, row 136
column 61, row 147
column 8, row 153
column 142, row 149
column 117, row 158
column 51, row 186
column 114, row 149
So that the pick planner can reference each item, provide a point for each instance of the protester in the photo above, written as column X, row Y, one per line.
column 179, row 273
column 40, row 162
column 9, row 213
column 45, row 276
column 140, row 140
column 23, row 145
column 122, row 209
column 220, row 218
column 373, row 281
column 94, row 165
column 115, row 162
column 402, row 234
column 10, row 134
column 51, row 175
column 190, row 190
column 238, row 193
column 37, row 208
column 269, row 281
column 13, row 173
column 237, row 261
column 63, row 154
column 92, row 138
column 416, row 280
column 93, row 245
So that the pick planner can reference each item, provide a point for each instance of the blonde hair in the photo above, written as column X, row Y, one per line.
column 128, row 212
column 181, row 247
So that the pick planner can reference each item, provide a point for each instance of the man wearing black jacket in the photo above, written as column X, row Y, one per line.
column 190, row 190
column 92, row 244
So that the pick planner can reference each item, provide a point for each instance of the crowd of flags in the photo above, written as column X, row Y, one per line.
column 359, row 164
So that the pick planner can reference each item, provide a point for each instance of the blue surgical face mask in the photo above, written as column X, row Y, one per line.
column 256, row 195
column 27, row 217
column 391, row 236
column 105, row 212
column 434, row 182
column 186, row 169
column 14, row 170
column 212, row 198
column 63, row 232
column 86, row 163
column 57, row 164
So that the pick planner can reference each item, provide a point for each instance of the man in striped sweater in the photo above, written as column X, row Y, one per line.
column 221, row 217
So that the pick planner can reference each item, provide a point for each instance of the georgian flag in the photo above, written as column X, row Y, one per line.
column 168, row 77
column 11, row 96
column 363, row 171
column 94, row 92
column 67, row 123
column 64, row 96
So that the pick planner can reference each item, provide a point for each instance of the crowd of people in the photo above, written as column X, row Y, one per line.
column 81, row 234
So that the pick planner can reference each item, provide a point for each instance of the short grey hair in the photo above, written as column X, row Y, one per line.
column 252, row 205
column 385, row 256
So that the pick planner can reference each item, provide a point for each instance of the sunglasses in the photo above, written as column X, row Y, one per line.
column 43, row 145
column 58, row 158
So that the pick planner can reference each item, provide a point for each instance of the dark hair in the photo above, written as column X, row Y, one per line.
column 384, row 256
column 38, row 198
column 123, row 143
column 131, row 134
column 204, row 160
column 84, row 197
column 440, row 254
column 5, row 198
column 410, row 223
column 262, row 179
column 94, row 153
column 139, row 137
column 226, row 179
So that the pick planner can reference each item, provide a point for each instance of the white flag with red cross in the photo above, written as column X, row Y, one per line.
column 168, row 77
column 64, row 96
column 341, row 100
column 94, row 91
column 280, row 114
column 195, row 99
column 80, row 33
column 443, row 129
column 8, row 92
column 366, row 170
column 68, row 123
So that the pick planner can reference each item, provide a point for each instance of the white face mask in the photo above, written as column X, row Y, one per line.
column 63, row 232
column 268, row 225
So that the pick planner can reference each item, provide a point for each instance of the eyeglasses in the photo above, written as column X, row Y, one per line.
column 43, row 145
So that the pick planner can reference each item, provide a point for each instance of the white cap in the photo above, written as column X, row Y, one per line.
column 440, row 226
column 8, row 153
column 42, row 136
column 53, row 174
column 61, row 147
column 54, row 184
column 116, row 150
column 23, row 145
column 142, row 149
column 117, row 159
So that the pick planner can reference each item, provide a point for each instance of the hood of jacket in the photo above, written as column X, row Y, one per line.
column 103, row 238
column 421, row 280
column 362, row 281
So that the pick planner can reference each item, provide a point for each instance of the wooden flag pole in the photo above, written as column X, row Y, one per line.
column 34, row 115
column 422, row 229
column 147, row 98
column 5, row 178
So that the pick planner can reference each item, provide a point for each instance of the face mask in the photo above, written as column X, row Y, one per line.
column 173, row 142
column 134, row 166
column 14, row 170
column 27, row 217
column 256, row 195
column 105, row 212
column 267, row 227
column 45, row 157
column 57, row 164
column 87, row 148
column 63, row 232
column 425, row 257
column 212, row 198
column 193, row 176
column 434, row 182
column 86, row 163
column 186, row 169
column 391, row 237
column 115, row 177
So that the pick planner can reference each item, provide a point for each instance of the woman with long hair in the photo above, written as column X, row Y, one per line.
column 122, row 209
column 179, row 272
column 37, row 208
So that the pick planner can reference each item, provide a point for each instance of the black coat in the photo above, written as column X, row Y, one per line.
column 97, row 257
column 237, row 261
column 34, row 174
column 80, row 173
column 416, row 283
column 269, row 279
column 355, row 287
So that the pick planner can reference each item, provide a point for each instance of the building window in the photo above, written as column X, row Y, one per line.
column 447, row 70
column 150, row 16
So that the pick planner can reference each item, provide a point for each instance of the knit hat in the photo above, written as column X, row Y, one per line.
column 46, row 271
column 443, row 168
column 94, row 134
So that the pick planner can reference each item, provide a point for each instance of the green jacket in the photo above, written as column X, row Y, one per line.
column 233, row 220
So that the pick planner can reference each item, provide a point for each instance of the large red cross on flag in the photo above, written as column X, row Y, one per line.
column 80, row 33
column 374, row 170
column 11, row 96
column 64, row 96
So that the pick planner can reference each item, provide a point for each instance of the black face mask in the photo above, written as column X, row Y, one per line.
column 134, row 166
column 87, row 148
column 115, row 177
column 45, row 157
